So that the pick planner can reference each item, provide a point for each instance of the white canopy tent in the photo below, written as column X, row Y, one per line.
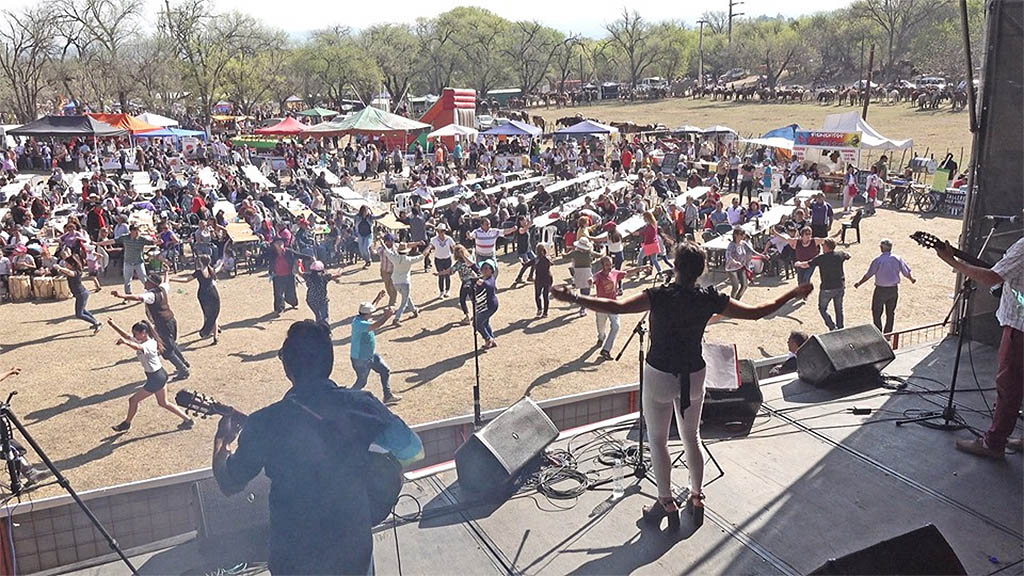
column 157, row 120
column 870, row 138
column 774, row 142
column 456, row 130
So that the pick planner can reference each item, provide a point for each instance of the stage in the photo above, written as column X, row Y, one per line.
column 808, row 482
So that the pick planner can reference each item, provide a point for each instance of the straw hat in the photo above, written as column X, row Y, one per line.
column 584, row 244
column 366, row 308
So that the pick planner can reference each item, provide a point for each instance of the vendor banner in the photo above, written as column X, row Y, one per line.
column 827, row 139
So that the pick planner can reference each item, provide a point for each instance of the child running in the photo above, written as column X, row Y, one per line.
column 143, row 340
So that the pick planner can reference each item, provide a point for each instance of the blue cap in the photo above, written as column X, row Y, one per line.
column 389, row 237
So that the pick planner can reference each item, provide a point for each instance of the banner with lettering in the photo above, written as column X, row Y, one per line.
column 817, row 139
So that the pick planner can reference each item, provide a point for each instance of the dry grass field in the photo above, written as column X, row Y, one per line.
column 933, row 131
column 75, row 385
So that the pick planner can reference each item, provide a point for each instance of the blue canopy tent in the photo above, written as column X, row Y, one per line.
column 779, row 138
column 172, row 132
column 515, row 128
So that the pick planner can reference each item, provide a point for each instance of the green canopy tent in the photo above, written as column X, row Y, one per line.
column 318, row 112
column 375, row 123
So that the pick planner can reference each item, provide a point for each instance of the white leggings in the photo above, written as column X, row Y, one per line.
column 661, row 396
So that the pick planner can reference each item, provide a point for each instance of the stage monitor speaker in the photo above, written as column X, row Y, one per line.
column 492, row 457
column 843, row 356
column 921, row 552
column 724, row 404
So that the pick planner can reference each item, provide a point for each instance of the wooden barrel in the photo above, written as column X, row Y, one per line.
column 61, row 290
column 43, row 287
column 21, row 288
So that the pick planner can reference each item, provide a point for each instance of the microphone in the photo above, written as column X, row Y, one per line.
column 1000, row 219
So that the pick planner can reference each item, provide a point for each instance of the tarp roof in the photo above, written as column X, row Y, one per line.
column 588, row 127
column 453, row 130
column 870, row 138
column 125, row 121
column 688, row 129
column 171, row 132
column 68, row 126
column 515, row 128
column 779, row 138
column 318, row 112
column 719, row 130
column 287, row 127
column 372, row 119
column 157, row 120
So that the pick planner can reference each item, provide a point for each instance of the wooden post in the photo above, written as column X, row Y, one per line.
column 867, row 84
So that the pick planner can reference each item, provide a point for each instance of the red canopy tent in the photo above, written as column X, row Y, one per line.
column 287, row 127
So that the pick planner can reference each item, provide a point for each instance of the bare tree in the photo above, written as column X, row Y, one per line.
column 631, row 35
column 567, row 61
column 530, row 48
column 204, row 43
column 436, row 52
column 716, row 21
column 257, row 68
column 898, row 19
column 26, row 49
column 392, row 46
column 100, row 32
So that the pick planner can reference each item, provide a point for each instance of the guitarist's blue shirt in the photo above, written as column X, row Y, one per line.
column 313, row 445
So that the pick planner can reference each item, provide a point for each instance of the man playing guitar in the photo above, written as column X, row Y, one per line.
column 1010, row 375
column 314, row 446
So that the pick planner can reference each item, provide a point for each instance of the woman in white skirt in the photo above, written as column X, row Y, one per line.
column 674, row 369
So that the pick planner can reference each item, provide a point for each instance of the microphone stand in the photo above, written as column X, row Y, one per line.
column 951, row 420
column 7, row 418
column 477, row 419
column 640, row 330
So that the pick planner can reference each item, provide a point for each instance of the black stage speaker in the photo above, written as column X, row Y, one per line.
column 843, row 356
column 492, row 457
column 721, row 404
column 921, row 552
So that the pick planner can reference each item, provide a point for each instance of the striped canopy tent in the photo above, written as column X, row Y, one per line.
column 125, row 122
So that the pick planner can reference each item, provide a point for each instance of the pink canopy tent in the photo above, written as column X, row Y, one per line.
column 287, row 127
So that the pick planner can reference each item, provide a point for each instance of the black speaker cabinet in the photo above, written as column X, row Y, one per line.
column 921, row 552
column 739, row 403
column 844, row 356
column 492, row 457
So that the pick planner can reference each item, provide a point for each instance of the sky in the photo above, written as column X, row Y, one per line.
column 585, row 17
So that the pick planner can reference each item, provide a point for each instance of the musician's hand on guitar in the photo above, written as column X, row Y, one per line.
column 945, row 252
column 228, row 428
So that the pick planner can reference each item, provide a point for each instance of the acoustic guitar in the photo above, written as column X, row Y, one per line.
column 383, row 474
column 931, row 241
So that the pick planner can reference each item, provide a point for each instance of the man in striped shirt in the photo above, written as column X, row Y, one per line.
column 484, row 239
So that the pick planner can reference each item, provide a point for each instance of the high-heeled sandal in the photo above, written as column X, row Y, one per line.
column 660, row 509
column 695, row 508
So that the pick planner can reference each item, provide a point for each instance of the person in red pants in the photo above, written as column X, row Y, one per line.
column 1009, row 272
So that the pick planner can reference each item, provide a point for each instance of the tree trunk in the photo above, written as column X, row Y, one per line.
column 122, row 97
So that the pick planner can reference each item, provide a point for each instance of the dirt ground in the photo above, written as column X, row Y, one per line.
column 935, row 132
column 75, row 385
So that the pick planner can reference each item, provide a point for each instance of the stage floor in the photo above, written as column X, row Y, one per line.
column 808, row 482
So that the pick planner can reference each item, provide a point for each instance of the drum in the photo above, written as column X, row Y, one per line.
column 61, row 290
column 43, row 287
column 21, row 288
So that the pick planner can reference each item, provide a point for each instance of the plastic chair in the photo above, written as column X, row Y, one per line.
column 548, row 235
column 403, row 201
column 766, row 198
column 853, row 224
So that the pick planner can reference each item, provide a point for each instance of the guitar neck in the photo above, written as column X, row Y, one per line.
column 969, row 258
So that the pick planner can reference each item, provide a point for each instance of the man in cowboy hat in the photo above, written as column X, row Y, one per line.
column 364, row 349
